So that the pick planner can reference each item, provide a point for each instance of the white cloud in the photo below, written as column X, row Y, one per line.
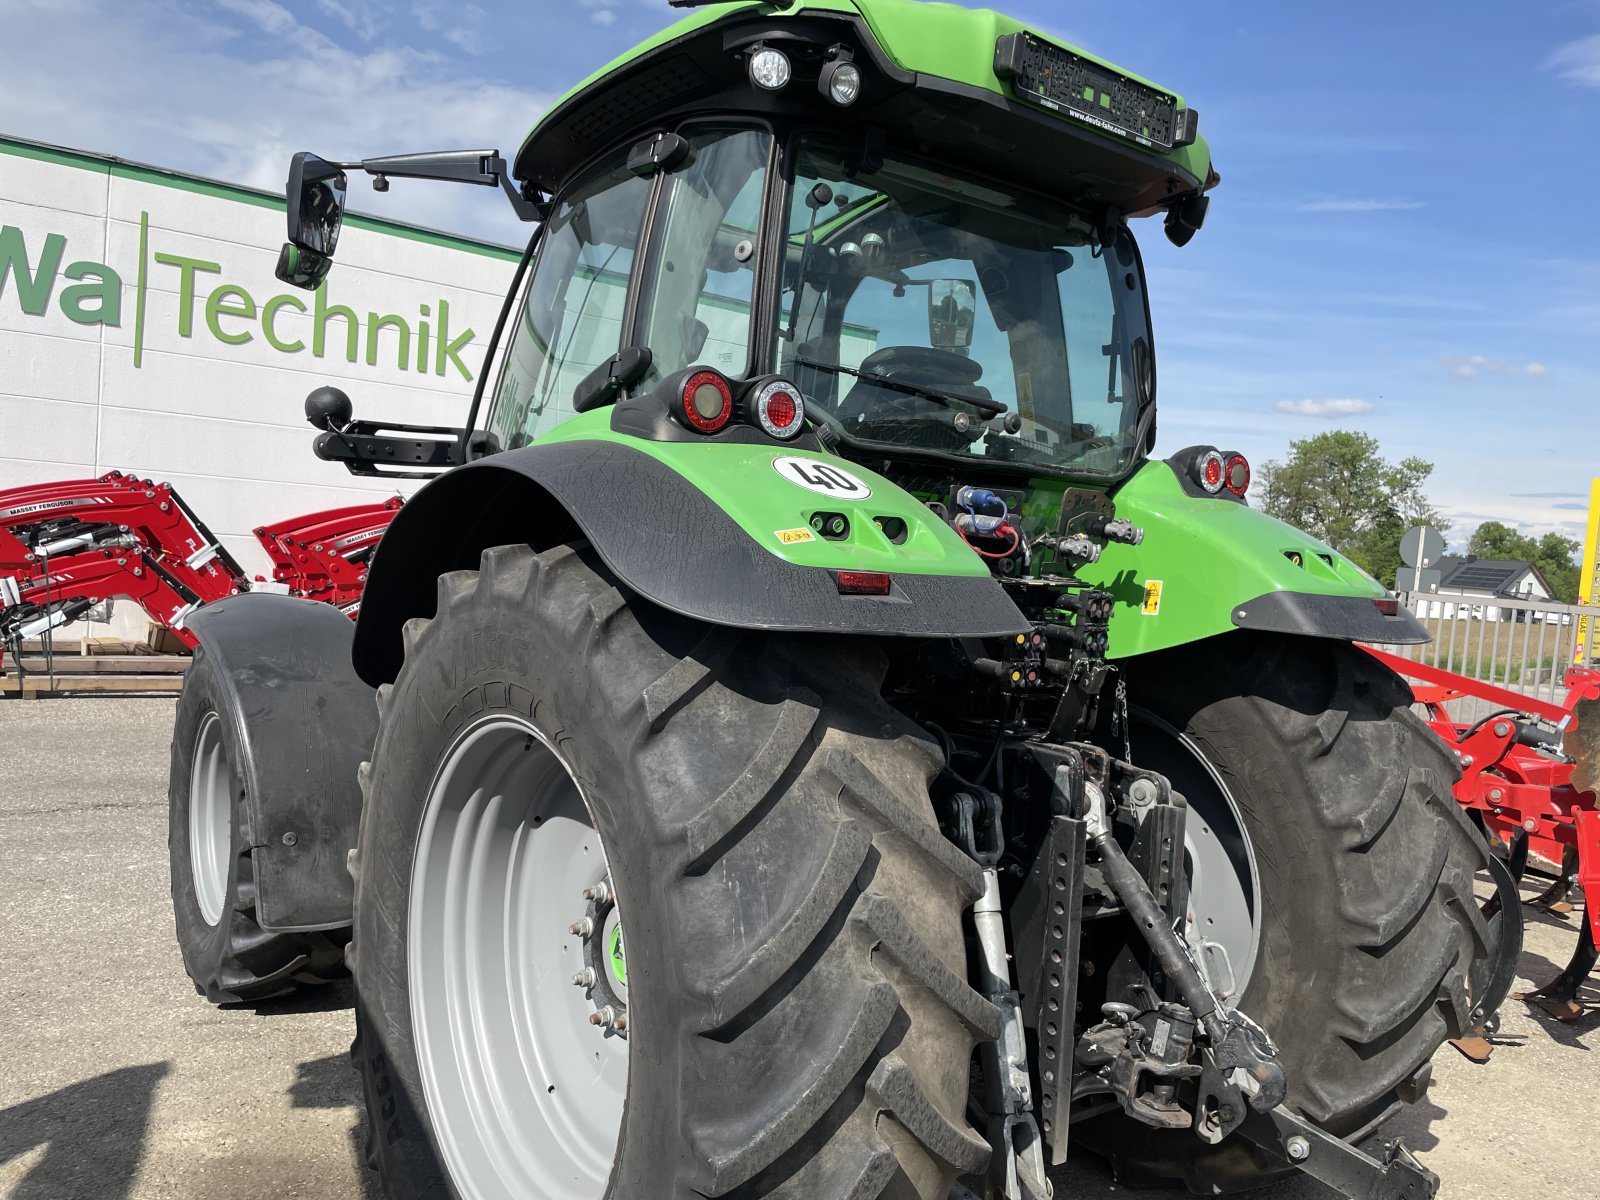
column 602, row 12
column 364, row 18
column 461, row 25
column 1463, row 367
column 270, row 17
column 1579, row 62
column 1324, row 408
column 1356, row 205
column 235, row 105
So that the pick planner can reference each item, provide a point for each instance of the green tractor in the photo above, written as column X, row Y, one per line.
column 802, row 745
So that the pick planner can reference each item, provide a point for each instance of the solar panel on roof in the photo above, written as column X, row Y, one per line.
column 1482, row 577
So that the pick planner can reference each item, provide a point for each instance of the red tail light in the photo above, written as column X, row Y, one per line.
column 1211, row 472
column 1236, row 475
column 707, row 401
column 777, row 409
column 1389, row 606
column 863, row 583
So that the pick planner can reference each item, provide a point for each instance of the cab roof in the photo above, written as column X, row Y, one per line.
column 968, row 86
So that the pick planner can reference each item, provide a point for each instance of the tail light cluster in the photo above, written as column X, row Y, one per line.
column 706, row 401
column 1215, row 471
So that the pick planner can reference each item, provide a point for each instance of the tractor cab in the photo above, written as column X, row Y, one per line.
column 920, row 311
column 929, row 251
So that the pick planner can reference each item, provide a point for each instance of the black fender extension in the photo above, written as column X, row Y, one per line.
column 307, row 723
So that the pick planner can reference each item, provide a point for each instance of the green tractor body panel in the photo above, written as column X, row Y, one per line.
column 776, row 511
column 1203, row 560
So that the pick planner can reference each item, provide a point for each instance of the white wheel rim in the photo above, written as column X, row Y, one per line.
column 524, row 1094
column 210, row 818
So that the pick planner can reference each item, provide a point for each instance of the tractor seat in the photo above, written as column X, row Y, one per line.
column 940, row 370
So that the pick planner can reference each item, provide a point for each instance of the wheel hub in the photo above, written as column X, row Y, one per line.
column 604, row 977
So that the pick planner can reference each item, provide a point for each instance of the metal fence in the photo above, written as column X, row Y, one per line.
column 1523, row 645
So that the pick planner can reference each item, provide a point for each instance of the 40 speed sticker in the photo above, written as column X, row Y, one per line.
column 823, row 478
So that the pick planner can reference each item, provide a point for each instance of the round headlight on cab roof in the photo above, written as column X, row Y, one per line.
column 770, row 69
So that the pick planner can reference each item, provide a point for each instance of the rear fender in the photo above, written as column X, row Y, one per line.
column 306, row 723
column 1208, row 565
column 663, row 519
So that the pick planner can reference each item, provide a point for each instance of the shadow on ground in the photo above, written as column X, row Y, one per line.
column 91, row 1135
column 330, row 997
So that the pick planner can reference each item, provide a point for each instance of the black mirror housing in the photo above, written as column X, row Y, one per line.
column 301, row 268
column 315, row 194
column 1185, row 217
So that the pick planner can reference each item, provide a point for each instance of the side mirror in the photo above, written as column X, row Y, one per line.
column 315, row 197
column 301, row 268
column 952, row 313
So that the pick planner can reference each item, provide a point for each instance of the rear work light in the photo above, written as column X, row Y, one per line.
column 770, row 69
column 777, row 408
column 707, row 401
column 863, row 583
column 1236, row 474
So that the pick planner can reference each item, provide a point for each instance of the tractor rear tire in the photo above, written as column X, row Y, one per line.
column 227, row 954
column 1369, row 930
column 798, row 1022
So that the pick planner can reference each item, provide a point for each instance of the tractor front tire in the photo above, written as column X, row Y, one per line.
column 228, row 955
column 793, row 1018
column 1369, row 932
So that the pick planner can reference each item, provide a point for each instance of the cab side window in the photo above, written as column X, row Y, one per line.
column 571, row 316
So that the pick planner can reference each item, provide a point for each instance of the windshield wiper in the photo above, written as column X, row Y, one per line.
column 989, row 408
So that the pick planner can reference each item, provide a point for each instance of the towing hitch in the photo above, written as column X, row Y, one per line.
column 1349, row 1171
column 1188, row 1060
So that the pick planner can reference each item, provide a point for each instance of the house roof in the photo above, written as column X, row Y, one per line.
column 1497, row 576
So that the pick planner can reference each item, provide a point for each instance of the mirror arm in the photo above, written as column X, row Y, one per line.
column 484, row 168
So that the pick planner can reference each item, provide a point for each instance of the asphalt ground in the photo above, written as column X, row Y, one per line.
column 117, row 1082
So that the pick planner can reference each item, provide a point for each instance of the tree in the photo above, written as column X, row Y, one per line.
column 1337, row 487
column 1493, row 539
column 1552, row 554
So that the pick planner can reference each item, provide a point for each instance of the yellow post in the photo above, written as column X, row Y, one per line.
column 1586, row 578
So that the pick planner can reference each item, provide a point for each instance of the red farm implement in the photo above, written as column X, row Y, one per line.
column 66, row 546
column 1529, row 774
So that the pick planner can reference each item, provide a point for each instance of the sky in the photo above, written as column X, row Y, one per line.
column 1406, row 240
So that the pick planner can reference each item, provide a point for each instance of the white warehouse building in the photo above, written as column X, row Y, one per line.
column 142, row 329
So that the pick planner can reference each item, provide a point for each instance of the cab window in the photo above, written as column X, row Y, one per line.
column 571, row 316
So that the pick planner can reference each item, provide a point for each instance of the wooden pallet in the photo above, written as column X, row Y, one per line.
column 38, row 687
column 108, row 664
column 78, row 675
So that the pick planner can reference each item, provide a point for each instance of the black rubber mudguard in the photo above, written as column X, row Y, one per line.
column 308, row 723
column 1345, row 618
column 659, row 534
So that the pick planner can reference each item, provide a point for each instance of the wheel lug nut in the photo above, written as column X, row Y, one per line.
column 620, row 1024
column 584, row 978
column 599, row 893
column 605, row 1016
column 582, row 928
